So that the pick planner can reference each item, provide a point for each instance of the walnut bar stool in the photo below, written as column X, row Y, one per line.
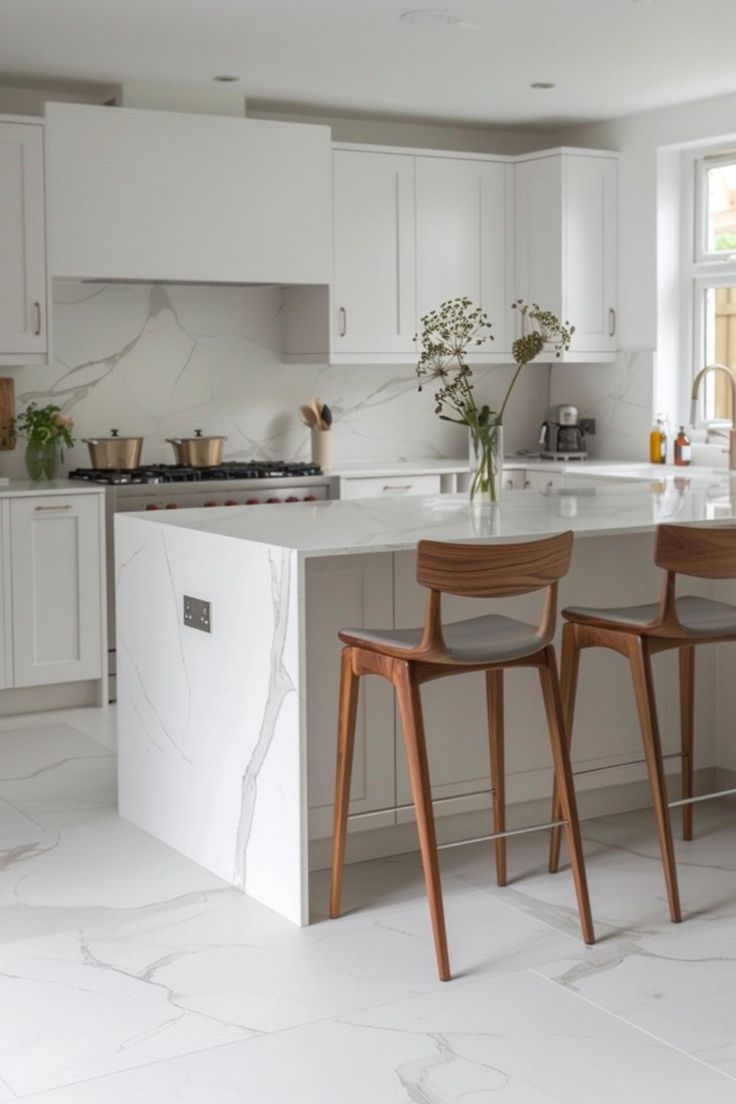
column 639, row 632
column 489, row 643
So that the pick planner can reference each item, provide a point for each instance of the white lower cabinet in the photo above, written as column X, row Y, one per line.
column 357, row 591
column 541, row 481
column 56, row 572
column 381, row 590
column 392, row 486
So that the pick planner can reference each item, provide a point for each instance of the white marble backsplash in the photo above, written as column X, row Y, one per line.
column 159, row 361
column 618, row 396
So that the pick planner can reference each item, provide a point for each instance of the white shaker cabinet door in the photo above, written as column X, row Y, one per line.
column 56, row 571
column 342, row 591
column 464, row 238
column 22, row 240
column 591, row 251
column 566, row 244
column 373, row 303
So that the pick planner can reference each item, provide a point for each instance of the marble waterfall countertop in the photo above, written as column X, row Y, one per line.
column 591, row 504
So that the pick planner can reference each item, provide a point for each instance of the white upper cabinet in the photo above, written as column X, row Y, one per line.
column 373, row 301
column 157, row 195
column 464, row 233
column 411, row 231
column 23, row 336
column 566, row 243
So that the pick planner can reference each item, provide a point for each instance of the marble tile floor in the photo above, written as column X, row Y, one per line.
column 127, row 973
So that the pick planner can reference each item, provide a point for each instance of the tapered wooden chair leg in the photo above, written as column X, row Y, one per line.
column 349, row 683
column 569, row 666
column 644, row 688
column 494, row 698
column 565, row 789
column 410, row 707
column 687, row 723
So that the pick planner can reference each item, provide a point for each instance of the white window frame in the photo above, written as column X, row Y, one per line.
column 705, row 269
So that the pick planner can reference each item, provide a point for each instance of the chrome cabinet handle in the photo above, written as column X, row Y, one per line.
column 398, row 486
column 37, row 315
column 38, row 509
column 611, row 322
column 343, row 327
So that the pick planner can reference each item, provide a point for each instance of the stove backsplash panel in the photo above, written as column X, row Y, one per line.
column 161, row 360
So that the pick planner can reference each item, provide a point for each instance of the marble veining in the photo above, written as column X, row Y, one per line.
column 138, row 976
column 160, row 360
column 279, row 686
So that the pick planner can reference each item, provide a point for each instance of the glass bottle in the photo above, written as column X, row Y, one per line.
column 658, row 443
column 683, row 448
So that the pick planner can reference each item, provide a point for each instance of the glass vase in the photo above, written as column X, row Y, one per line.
column 42, row 460
column 486, row 464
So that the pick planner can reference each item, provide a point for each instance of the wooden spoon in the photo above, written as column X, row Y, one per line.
column 316, row 405
column 308, row 416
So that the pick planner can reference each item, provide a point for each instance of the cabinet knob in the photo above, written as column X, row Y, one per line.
column 611, row 322
column 527, row 484
column 343, row 326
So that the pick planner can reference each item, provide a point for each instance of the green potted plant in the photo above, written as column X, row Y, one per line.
column 446, row 336
column 47, row 431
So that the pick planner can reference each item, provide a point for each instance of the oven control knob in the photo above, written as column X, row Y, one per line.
column 172, row 505
column 252, row 502
column 151, row 506
column 292, row 498
column 310, row 498
column 232, row 502
column 273, row 500
column 212, row 504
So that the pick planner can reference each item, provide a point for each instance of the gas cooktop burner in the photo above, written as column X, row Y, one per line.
column 175, row 473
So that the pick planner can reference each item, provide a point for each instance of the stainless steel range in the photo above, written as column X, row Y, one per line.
column 172, row 487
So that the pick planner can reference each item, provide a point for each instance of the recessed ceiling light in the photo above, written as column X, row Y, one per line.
column 431, row 18
column 543, row 84
column 225, row 79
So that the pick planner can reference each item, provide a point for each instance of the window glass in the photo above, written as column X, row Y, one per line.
column 721, row 208
column 719, row 332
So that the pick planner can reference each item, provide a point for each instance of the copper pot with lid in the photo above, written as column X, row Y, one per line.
column 198, row 451
column 114, row 451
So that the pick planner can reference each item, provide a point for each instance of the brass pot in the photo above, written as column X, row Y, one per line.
column 114, row 451
column 198, row 451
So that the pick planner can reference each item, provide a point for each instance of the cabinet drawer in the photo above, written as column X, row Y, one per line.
column 542, row 481
column 393, row 486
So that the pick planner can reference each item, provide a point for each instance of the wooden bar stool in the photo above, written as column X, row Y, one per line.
column 409, row 657
column 639, row 632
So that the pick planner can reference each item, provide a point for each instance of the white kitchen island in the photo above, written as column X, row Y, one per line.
column 226, row 738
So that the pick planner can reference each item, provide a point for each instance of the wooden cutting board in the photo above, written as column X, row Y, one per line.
column 7, row 413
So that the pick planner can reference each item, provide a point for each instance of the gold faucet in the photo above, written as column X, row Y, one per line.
column 694, row 406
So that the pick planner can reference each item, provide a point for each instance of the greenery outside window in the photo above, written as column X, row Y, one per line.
column 714, row 279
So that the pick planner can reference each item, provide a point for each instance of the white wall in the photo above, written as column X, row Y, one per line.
column 160, row 361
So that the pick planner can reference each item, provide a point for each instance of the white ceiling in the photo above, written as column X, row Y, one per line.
column 606, row 57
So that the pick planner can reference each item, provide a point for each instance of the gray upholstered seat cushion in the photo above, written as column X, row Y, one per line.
column 489, row 639
column 700, row 616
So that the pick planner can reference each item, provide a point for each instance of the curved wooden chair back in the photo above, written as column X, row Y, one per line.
column 489, row 571
column 493, row 570
column 701, row 551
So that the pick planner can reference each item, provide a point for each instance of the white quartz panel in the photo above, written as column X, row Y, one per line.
column 207, row 722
